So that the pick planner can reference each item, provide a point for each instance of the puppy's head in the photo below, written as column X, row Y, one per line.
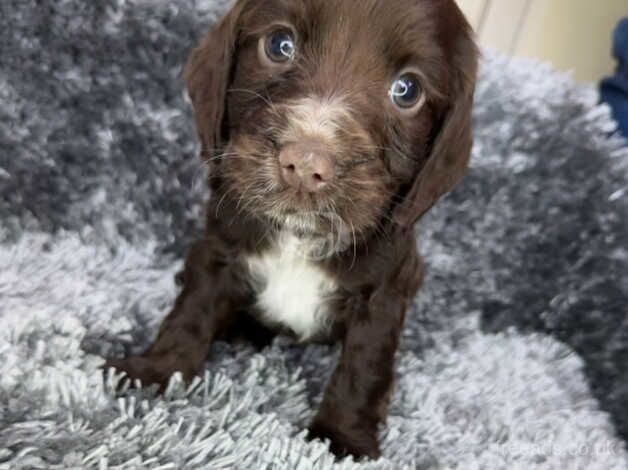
column 362, row 109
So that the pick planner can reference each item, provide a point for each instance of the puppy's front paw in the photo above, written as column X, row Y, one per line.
column 357, row 443
column 151, row 370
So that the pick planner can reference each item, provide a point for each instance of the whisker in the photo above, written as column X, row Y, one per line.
column 222, row 200
column 231, row 156
column 355, row 247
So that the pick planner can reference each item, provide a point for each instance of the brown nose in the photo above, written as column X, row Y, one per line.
column 307, row 166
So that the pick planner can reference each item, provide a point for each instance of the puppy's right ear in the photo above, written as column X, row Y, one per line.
column 207, row 76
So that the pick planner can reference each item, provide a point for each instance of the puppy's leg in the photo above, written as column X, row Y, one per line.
column 356, row 399
column 211, row 296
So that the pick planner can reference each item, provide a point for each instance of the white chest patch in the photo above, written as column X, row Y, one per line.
column 291, row 289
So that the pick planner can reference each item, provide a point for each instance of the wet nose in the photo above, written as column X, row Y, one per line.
column 307, row 166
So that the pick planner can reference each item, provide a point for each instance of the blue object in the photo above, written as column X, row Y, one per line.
column 614, row 90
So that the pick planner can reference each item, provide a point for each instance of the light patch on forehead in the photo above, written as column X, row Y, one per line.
column 314, row 117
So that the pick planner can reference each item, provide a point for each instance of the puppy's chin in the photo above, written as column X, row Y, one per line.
column 314, row 235
column 310, row 224
column 301, row 223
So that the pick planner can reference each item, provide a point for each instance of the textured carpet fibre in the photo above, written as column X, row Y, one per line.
column 515, row 355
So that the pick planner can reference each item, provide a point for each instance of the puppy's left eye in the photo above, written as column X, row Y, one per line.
column 280, row 46
column 406, row 92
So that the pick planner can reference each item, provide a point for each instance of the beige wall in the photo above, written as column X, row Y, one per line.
column 572, row 34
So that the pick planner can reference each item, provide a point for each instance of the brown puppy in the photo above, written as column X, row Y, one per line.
column 331, row 127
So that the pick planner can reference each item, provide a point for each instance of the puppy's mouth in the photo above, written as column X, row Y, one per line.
column 303, row 220
column 299, row 185
column 325, row 233
column 292, row 185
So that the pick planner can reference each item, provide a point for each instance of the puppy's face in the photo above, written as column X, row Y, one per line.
column 334, row 106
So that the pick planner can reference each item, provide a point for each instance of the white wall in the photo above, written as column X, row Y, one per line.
column 572, row 34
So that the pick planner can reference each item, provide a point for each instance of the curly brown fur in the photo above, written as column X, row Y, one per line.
column 386, row 167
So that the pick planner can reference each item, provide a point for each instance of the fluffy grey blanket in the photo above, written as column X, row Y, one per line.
column 515, row 355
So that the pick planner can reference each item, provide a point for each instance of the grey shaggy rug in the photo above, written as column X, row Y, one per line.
column 515, row 355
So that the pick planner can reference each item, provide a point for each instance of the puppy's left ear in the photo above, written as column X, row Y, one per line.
column 207, row 76
column 451, row 149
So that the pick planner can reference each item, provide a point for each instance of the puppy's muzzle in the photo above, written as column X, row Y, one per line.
column 307, row 166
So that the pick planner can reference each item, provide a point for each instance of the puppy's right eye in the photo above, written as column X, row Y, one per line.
column 280, row 46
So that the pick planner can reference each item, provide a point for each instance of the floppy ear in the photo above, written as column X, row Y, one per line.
column 207, row 76
column 451, row 149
